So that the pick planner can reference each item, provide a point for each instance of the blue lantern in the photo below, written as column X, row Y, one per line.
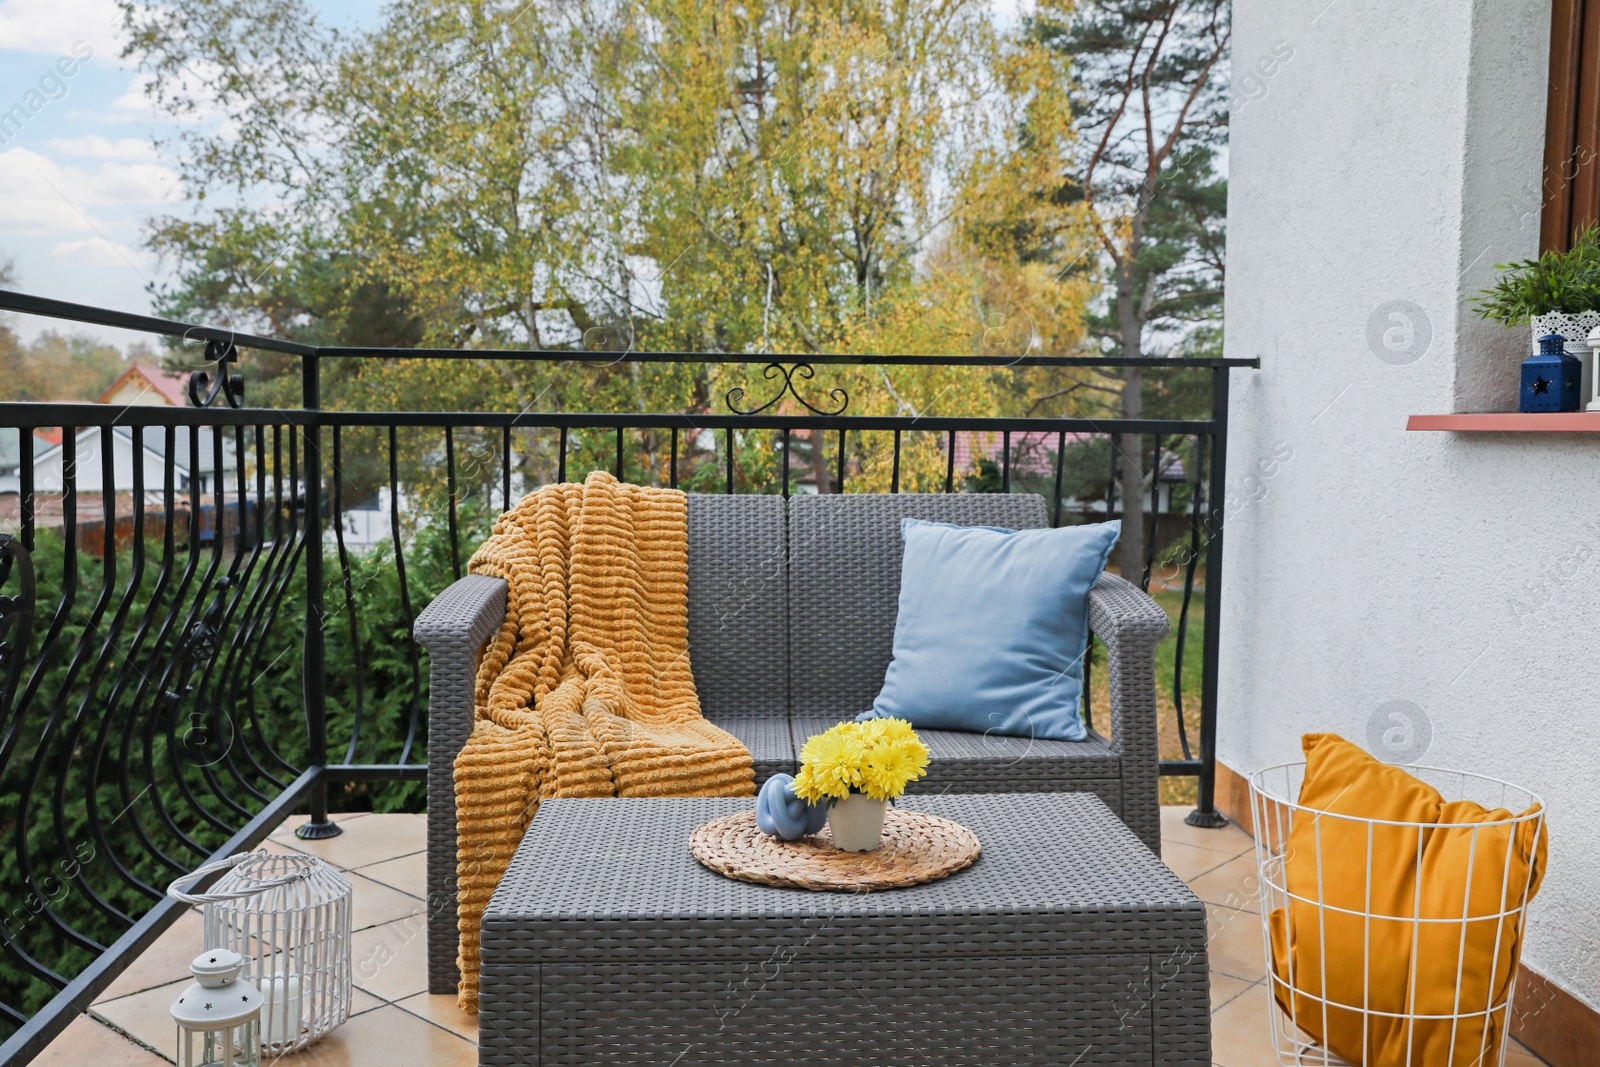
column 1551, row 380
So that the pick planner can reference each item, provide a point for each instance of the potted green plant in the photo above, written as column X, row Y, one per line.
column 1557, row 293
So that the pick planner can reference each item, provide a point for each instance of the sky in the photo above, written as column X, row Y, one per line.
column 79, row 171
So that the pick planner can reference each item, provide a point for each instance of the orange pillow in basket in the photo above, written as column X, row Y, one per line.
column 1355, row 895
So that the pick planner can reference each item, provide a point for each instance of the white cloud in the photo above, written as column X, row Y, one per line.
column 54, row 26
column 134, row 105
column 40, row 196
column 132, row 184
column 94, row 146
column 28, row 204
column 101, row 252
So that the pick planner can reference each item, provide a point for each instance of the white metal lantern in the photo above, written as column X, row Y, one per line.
column 218, row 1016
column 290, row 915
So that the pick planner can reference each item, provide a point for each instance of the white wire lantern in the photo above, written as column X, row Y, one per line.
column 289, row 916
column 1414, row 963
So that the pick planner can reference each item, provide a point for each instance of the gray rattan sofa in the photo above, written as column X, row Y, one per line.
column 791, row 620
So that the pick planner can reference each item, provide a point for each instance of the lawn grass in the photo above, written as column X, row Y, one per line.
column 1173, row 790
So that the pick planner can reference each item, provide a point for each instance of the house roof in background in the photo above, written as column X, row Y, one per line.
column 1032, row 451
column 201, row 459
column 170, row 386
column 11, row 452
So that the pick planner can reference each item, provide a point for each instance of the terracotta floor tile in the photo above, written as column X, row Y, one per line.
column 366, row 840
column 286, row 829
column 1229, row 839
column 85, row 1041
column 409, row 874
column 1189, row 862
column 361, row 1000
column 1241, row 1034
column 387, row 1036
column 373, row 903
column 394, row 1021
column 1234, row 943
column 440, row 1009
column 146, row 1015
column 1234, row 885
column 391, row 961
column 1517, row 1055
column 1224, row 988
column 163, row 962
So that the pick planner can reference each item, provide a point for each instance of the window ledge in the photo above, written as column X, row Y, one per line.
column 1510, row 422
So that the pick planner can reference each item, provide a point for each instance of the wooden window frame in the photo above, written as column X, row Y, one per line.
column 1572, row 124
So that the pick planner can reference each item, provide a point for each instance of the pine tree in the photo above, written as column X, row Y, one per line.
column 1150, row 99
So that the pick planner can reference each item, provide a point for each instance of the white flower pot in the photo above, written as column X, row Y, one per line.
column 856, row 822
column 1575, row 328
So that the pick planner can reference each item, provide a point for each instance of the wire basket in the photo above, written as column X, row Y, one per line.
column 1410, row 963
column 288, row 915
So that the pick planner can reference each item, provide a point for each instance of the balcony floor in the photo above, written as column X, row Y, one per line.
column 395, row 1021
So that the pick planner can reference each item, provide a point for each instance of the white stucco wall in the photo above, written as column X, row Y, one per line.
column 1396, row 156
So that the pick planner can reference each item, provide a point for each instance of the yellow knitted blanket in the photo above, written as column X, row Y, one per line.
column 586, row 690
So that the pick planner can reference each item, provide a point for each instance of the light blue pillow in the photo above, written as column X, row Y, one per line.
column 992, row 627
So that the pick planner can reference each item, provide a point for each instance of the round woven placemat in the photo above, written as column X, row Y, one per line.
column 917, row 847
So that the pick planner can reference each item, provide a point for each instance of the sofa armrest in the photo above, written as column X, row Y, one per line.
column 454, row 629
column 1131, row 625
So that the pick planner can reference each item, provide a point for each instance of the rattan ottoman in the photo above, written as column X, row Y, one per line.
column 1068, row 942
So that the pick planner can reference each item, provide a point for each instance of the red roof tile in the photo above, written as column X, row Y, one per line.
column 172, row 386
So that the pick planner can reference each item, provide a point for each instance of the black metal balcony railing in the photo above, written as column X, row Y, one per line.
column 180, row 668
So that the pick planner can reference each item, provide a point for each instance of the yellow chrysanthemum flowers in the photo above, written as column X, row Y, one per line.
column 879, row 757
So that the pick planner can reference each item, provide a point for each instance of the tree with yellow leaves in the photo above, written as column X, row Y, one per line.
column 691, row 175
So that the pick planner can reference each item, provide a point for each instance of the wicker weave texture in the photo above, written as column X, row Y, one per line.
column 738, row 627
column 453, row 629
column 974, row 763
column 1131, row 625
column 608, row 943
column 991, row 763
column 741, row 602
column 980, row 1011
column 844, row 585
column 767, row 739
